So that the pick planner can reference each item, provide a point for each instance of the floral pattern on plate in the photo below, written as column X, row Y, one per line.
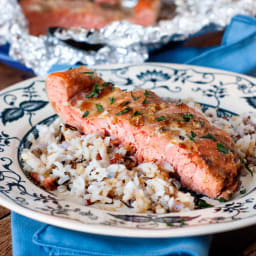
column 24, row 105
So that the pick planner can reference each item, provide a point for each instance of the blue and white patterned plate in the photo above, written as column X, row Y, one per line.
column 25, row 104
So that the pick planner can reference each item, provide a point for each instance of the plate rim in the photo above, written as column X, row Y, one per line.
column 131, row 232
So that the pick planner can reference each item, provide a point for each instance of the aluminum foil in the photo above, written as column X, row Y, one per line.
column 121, row 42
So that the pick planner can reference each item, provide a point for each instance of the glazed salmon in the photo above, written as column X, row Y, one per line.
column 146, row 12
column 42, row 14
column 163, row 131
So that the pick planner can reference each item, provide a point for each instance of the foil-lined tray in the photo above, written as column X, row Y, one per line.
column 119, row 42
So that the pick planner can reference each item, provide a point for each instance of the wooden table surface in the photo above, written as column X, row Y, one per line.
column 234, row 243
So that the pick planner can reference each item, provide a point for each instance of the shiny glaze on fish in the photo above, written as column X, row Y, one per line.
column 158, row 130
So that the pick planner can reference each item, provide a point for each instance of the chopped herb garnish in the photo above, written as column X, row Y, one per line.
column 95, row 91
column 145, row 101
column 242, row 191
column 136, row 113
column 99, row 108
column 127, row 109
column 209, row 136
column 187, row 117
column 112, row 100
column 125, row 103
column 192, row 136
column 108, row 84
column 146, row 93
column 88, row 73
column 168, row 224
column 247, row 167
column 202, row 123
column 86, row 113
column 133, row 97
column 92, row 94
column 222, row 148
column 182, row 222
column 222, row 200
column 201, row 204
column 160, row 118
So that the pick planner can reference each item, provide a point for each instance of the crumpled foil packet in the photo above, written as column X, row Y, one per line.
column 121, row 42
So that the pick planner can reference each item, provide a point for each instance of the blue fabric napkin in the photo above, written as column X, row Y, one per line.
column 34, row 238
column 236, row 53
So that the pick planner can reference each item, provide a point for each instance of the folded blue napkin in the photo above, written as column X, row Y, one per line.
column 34, row 238
column 236, row 53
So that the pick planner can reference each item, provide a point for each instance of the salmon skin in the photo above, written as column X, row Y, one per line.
column 163, row 131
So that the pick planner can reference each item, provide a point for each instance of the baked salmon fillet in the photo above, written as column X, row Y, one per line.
column 42, row 14
column 169, row 133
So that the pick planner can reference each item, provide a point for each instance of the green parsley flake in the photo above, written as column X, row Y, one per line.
column 127, row 109
column 160, row 118
column 187, row 117
column 192, row 136
column 125, row 103
column 95, row 91
column 182, row 222
column 99, row 108
column 242, row 191
column 109, row 85
column 136, row 113
column 201, row 204
column 222, row 148
column 86, row 113
column 247, row 167
column 168, row 224
column 88, row 73
column 146, row 93
column 112, row 100
column 209, row 136
column 145, row 101
column 133, row 97
column 222, row 200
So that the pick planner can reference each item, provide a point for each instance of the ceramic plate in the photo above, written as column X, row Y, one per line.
column 25, row 104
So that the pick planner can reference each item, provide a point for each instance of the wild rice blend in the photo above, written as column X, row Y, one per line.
column 98, row 171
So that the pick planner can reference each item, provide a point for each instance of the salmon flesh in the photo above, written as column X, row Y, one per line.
column 43, row 14
column 167, row 132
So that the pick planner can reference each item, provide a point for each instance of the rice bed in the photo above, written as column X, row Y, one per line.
column 99, row 171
